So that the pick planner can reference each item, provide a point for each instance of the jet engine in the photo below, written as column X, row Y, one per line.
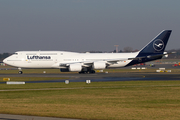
column 75, row 67
column 99, row 65
column 72, row 68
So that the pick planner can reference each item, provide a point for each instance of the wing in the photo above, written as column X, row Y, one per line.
column 90, row 63
column 102, row 64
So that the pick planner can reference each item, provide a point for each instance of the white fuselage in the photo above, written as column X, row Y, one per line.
column 53, row 59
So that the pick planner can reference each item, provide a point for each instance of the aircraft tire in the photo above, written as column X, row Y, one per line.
column 20, row 72
column 82, row 72
column 87, row 72
column 92, row 72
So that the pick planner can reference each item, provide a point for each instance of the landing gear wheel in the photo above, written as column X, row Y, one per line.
column 20, row 72
column 82, row 72
column 92, row 71
column 87, row 72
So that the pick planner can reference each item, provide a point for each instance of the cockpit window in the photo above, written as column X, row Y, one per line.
column 15, row 53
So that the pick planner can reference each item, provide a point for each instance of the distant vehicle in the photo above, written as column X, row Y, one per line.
column 89, row 62
column 175, row 65
column 152, row 65
column 140, row 64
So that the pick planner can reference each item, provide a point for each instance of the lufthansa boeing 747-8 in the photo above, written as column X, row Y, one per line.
column 89, row 62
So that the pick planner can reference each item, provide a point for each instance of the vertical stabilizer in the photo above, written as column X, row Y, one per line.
column 158, row 44
column 154, row 49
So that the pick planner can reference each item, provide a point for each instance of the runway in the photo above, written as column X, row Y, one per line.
column 102, row 77
column 99, row 77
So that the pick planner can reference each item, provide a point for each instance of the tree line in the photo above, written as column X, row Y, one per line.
column 4, row 55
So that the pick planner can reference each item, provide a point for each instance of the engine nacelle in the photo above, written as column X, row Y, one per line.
column 99, row 65
column 75, row 67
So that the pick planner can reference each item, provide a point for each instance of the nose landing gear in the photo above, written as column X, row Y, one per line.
column 20, row 71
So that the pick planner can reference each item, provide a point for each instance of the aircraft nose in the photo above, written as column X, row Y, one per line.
column 8, row 61
column 5, row 60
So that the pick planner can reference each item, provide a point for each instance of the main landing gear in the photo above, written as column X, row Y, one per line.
column 87, row 72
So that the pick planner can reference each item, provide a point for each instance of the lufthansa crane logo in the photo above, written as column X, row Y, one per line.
column 158, row 45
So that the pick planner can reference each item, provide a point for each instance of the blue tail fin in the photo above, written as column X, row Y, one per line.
column 157, row 45
column 153, row 50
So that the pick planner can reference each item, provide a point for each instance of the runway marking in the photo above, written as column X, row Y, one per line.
column 43, row 89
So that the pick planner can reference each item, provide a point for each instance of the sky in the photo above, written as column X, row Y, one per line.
column 86, row 25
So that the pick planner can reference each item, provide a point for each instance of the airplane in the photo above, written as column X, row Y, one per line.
column 89, row 62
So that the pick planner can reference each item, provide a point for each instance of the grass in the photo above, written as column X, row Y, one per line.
column 96, row 101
